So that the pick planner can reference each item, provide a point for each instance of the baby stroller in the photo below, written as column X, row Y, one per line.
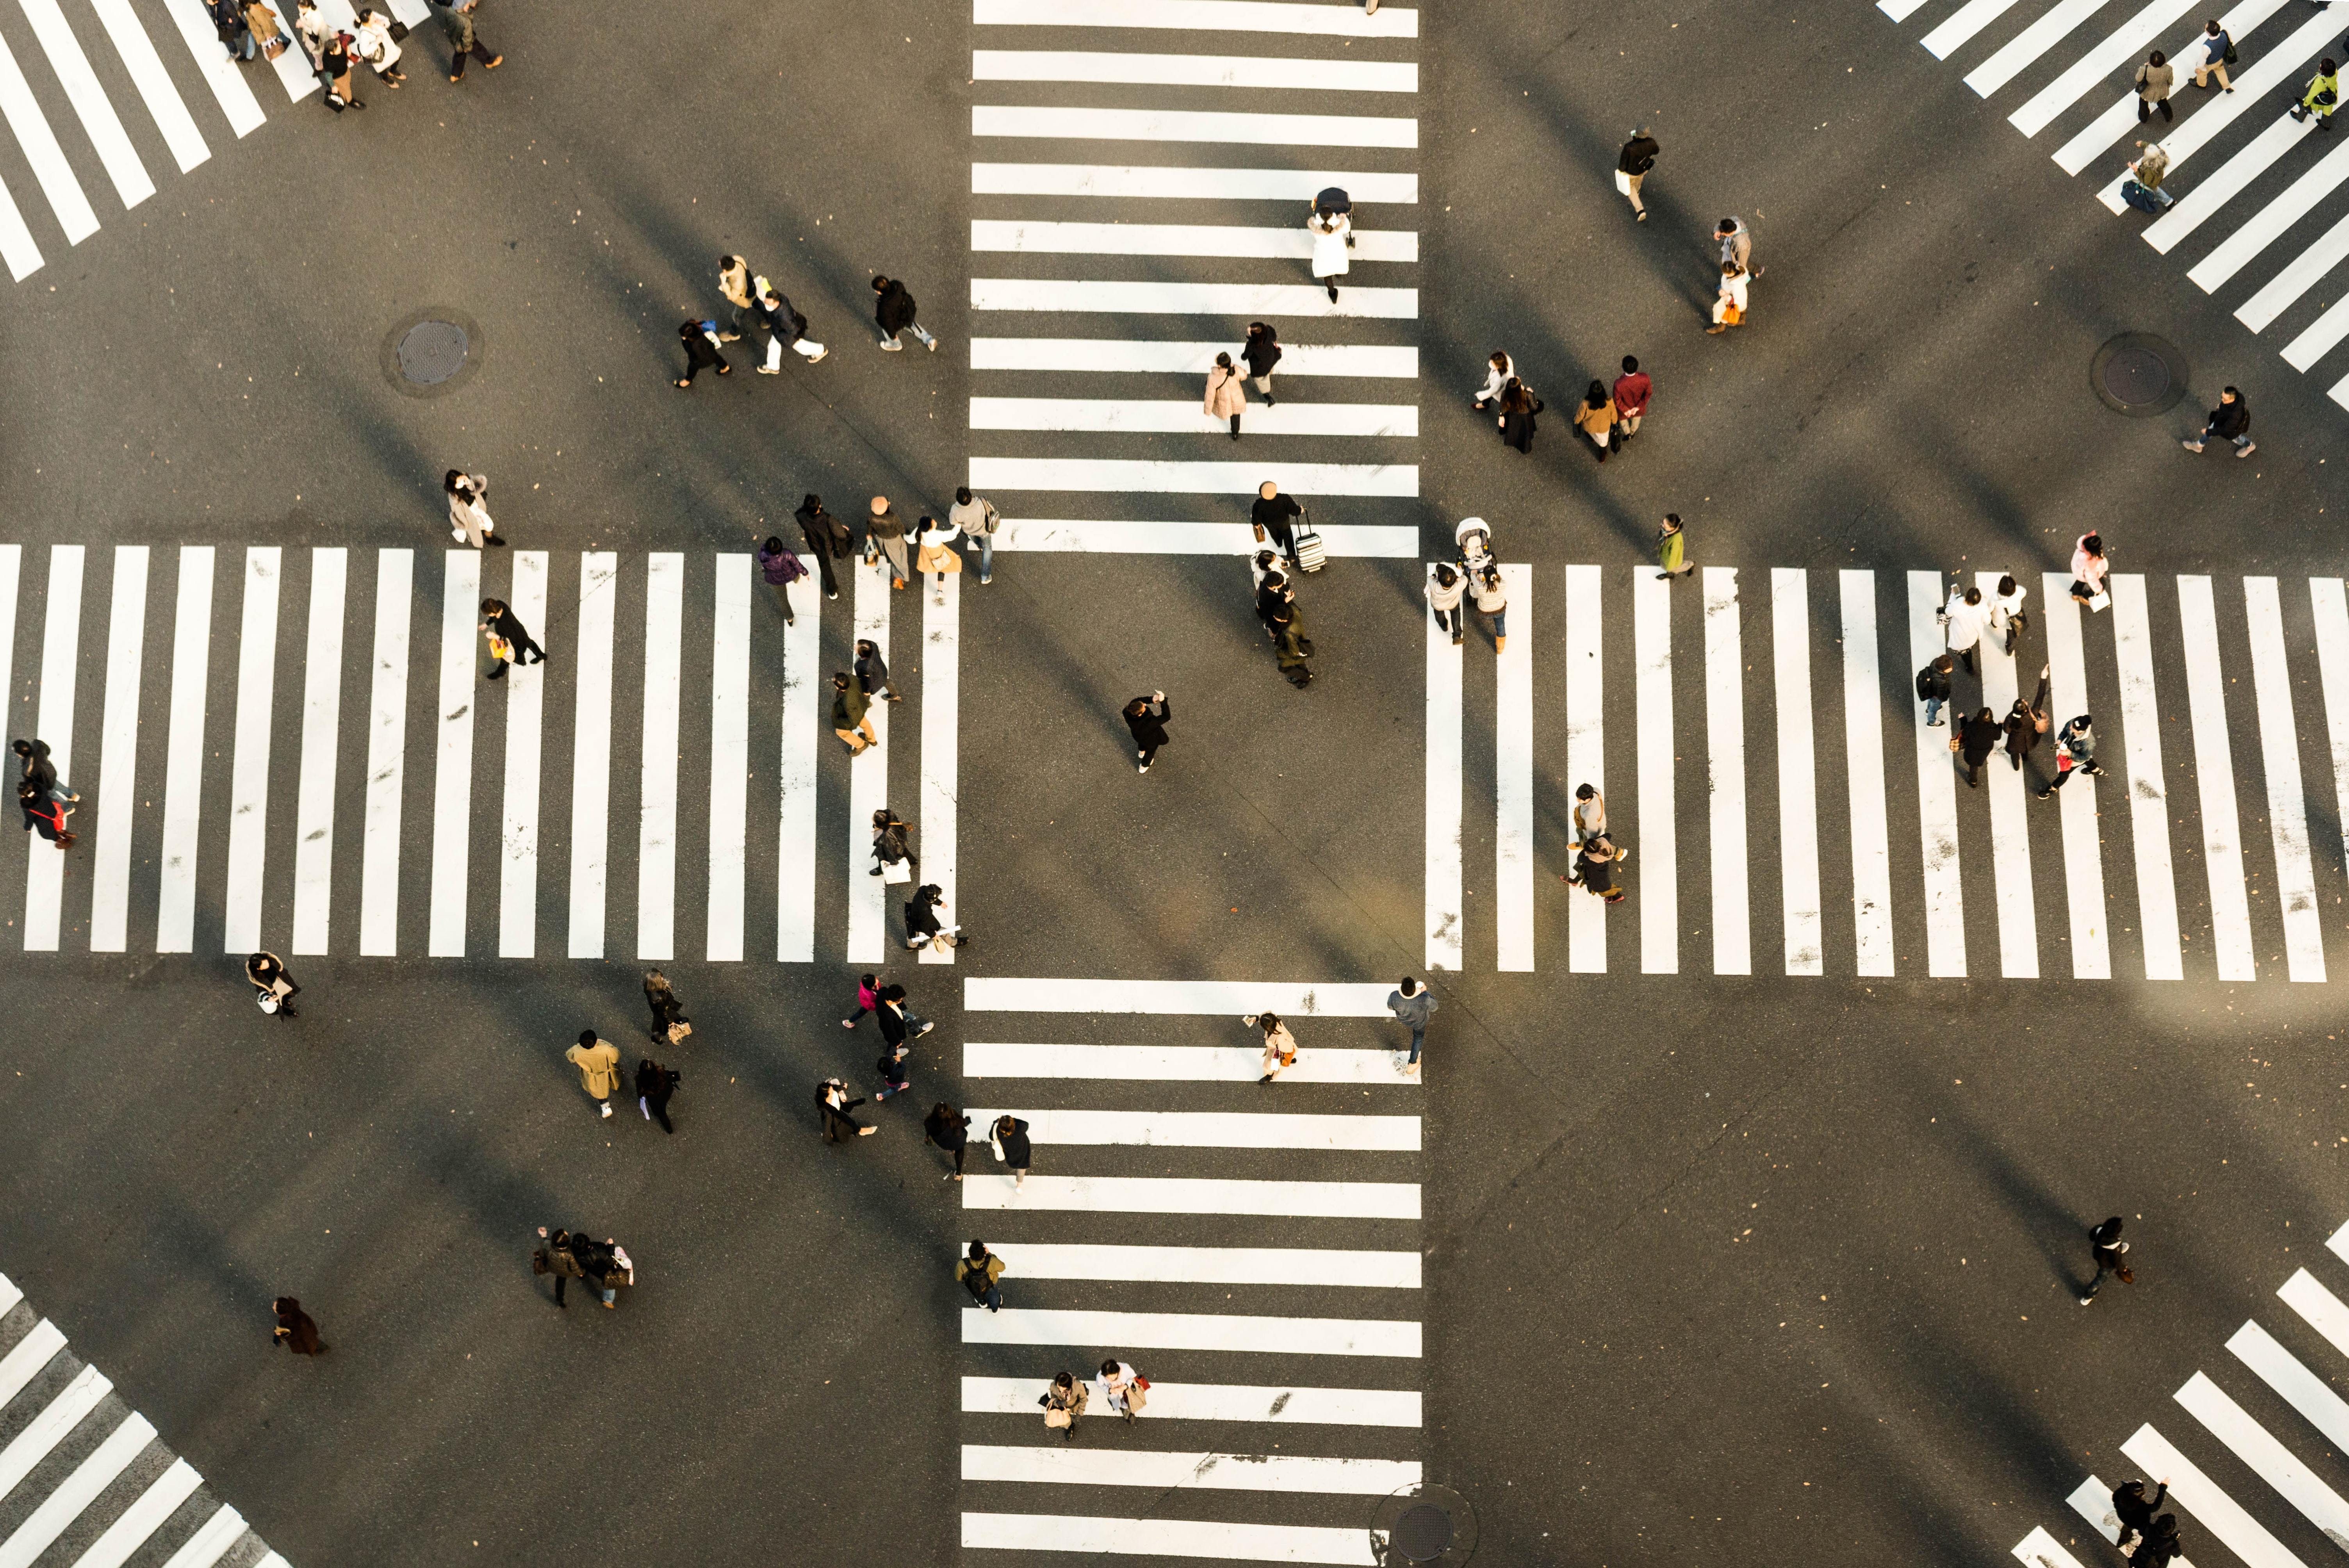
column 1476, row 543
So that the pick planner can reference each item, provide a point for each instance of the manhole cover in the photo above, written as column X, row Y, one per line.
column 432, row 351
column 1422, row 1532
column 2136, row 376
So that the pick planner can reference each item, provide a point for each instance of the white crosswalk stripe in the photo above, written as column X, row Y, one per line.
column 1223, row 1402
column 1154, row 182
column 1192, row 70
column 1218, row 15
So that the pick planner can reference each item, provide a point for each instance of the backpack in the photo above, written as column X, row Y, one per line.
column 2139, row 197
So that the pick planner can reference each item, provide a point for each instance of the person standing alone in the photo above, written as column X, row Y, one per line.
column 1145, row 719
column 1412, row 1004
column 1631, row 391
column 2154, row 80
column 598, row 1062
column 1224, row 400
column 457, row 22
column 894, row 309
column 780, row 568
column 2111, row 1257
column 1671, row 548
column 1632, row 165
column 1262, row 352
column 979, row 519
column 2230, row 421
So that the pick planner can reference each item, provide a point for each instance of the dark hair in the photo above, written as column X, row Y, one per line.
column 1003, row 1124
column 28, row 791
column 866, row 979
column 448, row 480
column 1500, row 356
column 2006, row 584
column 2134, row 1488
column 880, row 282
column 962, row 494
column 1973, row 596
column 1222, row 361
column 928, row 894
column 21, row 747
column 1728, row 226
column 1063, row 1381
column 1514, row 400
column 2094, row 544
column 1584, row 791
column 893, row 994
column 774, row 544
column 2231, row 392
column 2156, row 59
column 1631, row 366
column 838, row 681
column 2211, row 29
column 1673, row 518
column 587, row 1037
column 1108, row 1368
column 1986, row 714
column 1138, row 705
column 977, row 1249
column 1446, row 576
column 1597, row 396
column 2326, row 65
column 1407, row 986
column 866, row 645
column 812, row 501
column 729, row 262
column 490, row 606
column 1268, row 1022
column 1945, row 664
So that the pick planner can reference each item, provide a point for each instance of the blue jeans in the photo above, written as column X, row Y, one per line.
column 1500, row 620
column 1933, row 708
column 1418, row 1042
column 986, row 556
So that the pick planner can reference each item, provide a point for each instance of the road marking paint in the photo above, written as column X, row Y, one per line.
column 1863, row 738
column 2223, row 184
column 1281, row 1336
column 27, row 1357
column 1132, row 356
column 248, row 799
column 322, row 716
column 1211, row 1266
column 1221, row 1402
column 2118, row 48
column 941, row 776
column 117, row 786
column 2304, row 273
column 139, row 1521
column 1586, row 739
column 1184, row 1195
column 525, row 715
column 2264, row 227
column 591, row 755
column 1512, row 772
column 2083, row 869
column 386, row 750
column 1194, row 1063
column 1157, row 1537
column 1157, row 181
column 453, row 785
column 1262, row 73
column 102, row 1467
column 868, row 780
column 40, row 145
column 805, row 694
column 146, row 71
column 1724, row 723
column 2279, row 66
column 1216, row 15
column 1181, row 415
column 2157, row 890
column 2039, row 1549
column 1105, row 298
column 2010, row 826
column 2267, row 1459
column 1352, row 131
column 729, row 756
column 1289, row 998
column 1191, row 479
column 1799, row 805
column 2218, row 1513
column 213, row 1539
column 47, row 1429
column 2318, row 1307
column 1445, row 788
column 2294, row 1383
column 184, row 746
column 45, row 875
column 1651, row 616
column 656, row 790
column 1064, row 1465
column 91, row 106
column 2323, row 336
column 2018, row 54
column 236, row 101
column 1971, row 18
column 2222, row 840
column 1937, row 791
column 2119, row 122
column 1395, row 542
column 2331, row 603
column 2303, row 925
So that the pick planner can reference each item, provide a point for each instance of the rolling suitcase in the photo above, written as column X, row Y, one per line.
column 1311, row 555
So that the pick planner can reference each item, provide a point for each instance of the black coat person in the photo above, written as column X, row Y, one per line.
column 1145, row 720
column 654, row 1085
column 700, row 340
column 950, row 1131
column 1010, row 1136
column 828, row 538
column 2134, row 1509
column 1262, row 352
column 667, row 1007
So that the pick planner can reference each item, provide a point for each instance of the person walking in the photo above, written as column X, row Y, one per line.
column 2075, row 752
column 2134, row 1511
column 832, row 1104
column 228, row 26
column 1729, row 302
column 851, row 716
column 1445, row 588
column 375, row 45
column 2322, row 96
column 2026, row 721
column 1272, row 591
column 295, row 1328
column 934, row 548
column 2231, row 421
column 1413, row 1005
column 785, row 326
column 605, row 1265
column 1009, row 1139
column 949, row 1129
column 2142, row 189
column 311, row 31
column 669, row 1024
column 2007, row 619
column 891, row 848
column 272, row 985
column 457, row 22
column 262, row 22
column 1632, row 161
column 899, row 1024
column 884, row 534
column 892, row 1071
column 2218, row 52
column 1933, row 688
column 779, row 568
column 45, row 815
column 598, row 1062
column 654, row 1085
column 1493, row 603
column 1333, row 237
column 1261, row 351
column 1145, row 720
column 922, row 927
column 868, row 1000
column 1974, row 740
column 827, row 538
column 1499, row 371
column 469, row 516
column 2155, row 80
column 556, row 1257
column 734, row 284
column 2088, row 569
column 893, row 308
column 1270, row 515
column 1966, row 616
column 2159, row 1546
column 1290, row 646
column 41, row 770
column 1594, row 869
column 2110, row 1254
column 979, row 519
column 1064, row 1401
column 872, row 671
column 1671, row 548
column 1631, row 391
column 1596, row 419
column 979, row 1272
column 1225, row 398
column 335, row 67
column 701, row 351
column 1125, row 1389
column 1279, row 1044
column 1589, row 818
column 499, row 620
column 1516, row 419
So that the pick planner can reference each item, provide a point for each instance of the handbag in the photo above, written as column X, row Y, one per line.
column 897, row 872
column 678, row 1031
column 268, row 1001
column 538, row 1263
column 1056, row 1419
column 1622, row 184
column 399, row 31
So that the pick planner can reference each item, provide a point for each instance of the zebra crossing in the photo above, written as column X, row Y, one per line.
column 129, row 29
column 2278, row 43
column 1134, row 1220
column 2289, row 1391
column 86, row 1482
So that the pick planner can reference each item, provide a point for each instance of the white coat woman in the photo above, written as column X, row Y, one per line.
column 1728, row 305
column 469, row 518
column 373, row 44
column 1279, row 1044
column 1333, row 236
column 1123, row 1389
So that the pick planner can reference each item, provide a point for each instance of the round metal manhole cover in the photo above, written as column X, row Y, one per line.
column 2136, row 376
column 431, row 352
column 1422, row 1532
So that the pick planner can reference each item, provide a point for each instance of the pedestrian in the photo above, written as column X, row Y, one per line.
column 1596, row 419
column 979, row 519
column 785, row 326
column 1262, row 352
column 949, row 1129
column 1729, row 302
column 884, row 534
column 598, row 1062
column 2134, row 1511
column 780, row 568
column 468, row 515
column 1493, row 604
column 2026, row 721
column 1632, row 165
column 1291, row 647
column 1279, row 1044
column 375, row 45
column 895, row 1078
column 1009, row 1139
column 2218, row 52
column 1145, row 720
column 41, row 770
column 1064, row 1402
column 923, row 928
column 295, row 1329
column 262, row 22
column 1589, row 818
column 851, row 718
column 1933, row 688
column 1499, row 371
column 1126, row 1389
column 273, row 987
column 457, row 22
column 2155, row 79
column 1594, row 869
column 2088, row 569
column 828, row 538
column 2322, row 97
column 899, row 1023
column 734, row 283
column 1225, row 398
column 1273, row 592
column 1671, row 548
column 1445, row 588
column 868, row 1000
column 2075, row 752
column 832, row 1104
column 893, row 859
column 1966, row 616
column 1974, row 740
column 872, row 671
column 499, row 620
column 311, row 31
column 2007, row 619
column 2231, row 421
column 228, row 26
column 1631, row 391
column 2142, row 189
column 700, row 340
column 934, row 548
column 2110, row 1254
column 1270, row 515
column 1516, row 419
column 669, row 1026
column 978, row 1271
column 334, row 65
column 2159, row 1546
column 1333, row 236
column 893, row 308
column 1412, row 1004
column 560, row 1258
column 1736, row 243
column 654, row 1085
column 605, row 1265
column 44, row 816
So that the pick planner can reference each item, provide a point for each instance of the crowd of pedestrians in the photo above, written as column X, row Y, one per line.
column 255, row 29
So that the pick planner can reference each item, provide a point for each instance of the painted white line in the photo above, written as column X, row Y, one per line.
column 989, row 474
column 2092, row 1500
column 525, row 724
column 2331, row 603
column 2203, row 200
column 248, row 794
column 1899, row 10
column 941, row 780
column 1157, row 1537
column 2009, row 824
column 1798, row 804
column 2295, row 887
column 1154, row 180
column 40, row 145
column 1282, row 1336
column 1354, row 131
column 28, row 1356
column 1102, row 297
column 1971, row 18
column 2267, row 225
column 868, row 777
column 2278, row 66
column 1724, row 723
column 2083, row 869
column 387, row 774
column 1207, row 15
column 805, row 695
column 10, row 1295
column 453, row 785
column 49, row 1429
column 2322, row 338
column 2122, row 46
column 2040, row 1550
column 1445, row 789
column 1182, row 1195
column 117, row 753
column 322, row 714
column 2157, row 889
column 236, row 101
column 1191, row 1063
column 729, row 756
column 2119, row 122
column 90, row 106
column 211, row 1541
column 1131, row 355
column 44, row 876
column 591, row 752
column 16, row 245
column 1937, row 790
column 1221, row 1402
column 1253, row 71
column 146, row 71
column 2318, row 1307
column 2298, row 1386
column 2267, row 1459
column 1369, row 541
column 1863, row 740
column 2019, row 53
column 133, row 1527
column 2304, row 272
column 1513, row 765
column 2217, row 1513
column 184, row 747
column 1289, row 998
column 2214, row 769
column 657, row 794
column 1586, row 737
column 1065, row 1465
column 1211, row 1266
column 1121, row 415
column 77, row 1492
column 1660, row 916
